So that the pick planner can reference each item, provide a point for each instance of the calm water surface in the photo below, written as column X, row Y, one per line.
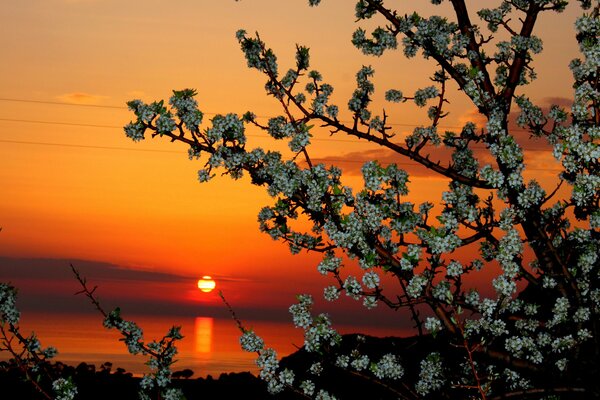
column 210, row 345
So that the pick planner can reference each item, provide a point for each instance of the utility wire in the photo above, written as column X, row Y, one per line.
column 120, row 127
column 323, row 159
column 32, row 121
column 84, row 146
column 60, row 103
column 144, row 150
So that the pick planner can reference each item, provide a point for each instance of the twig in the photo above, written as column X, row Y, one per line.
column 233, row 315
column 18, row 358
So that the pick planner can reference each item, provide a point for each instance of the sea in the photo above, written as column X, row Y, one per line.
column 210, row 345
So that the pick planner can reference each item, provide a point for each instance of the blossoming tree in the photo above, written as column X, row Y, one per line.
column 541, row 318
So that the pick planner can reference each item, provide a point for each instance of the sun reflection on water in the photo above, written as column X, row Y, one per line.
column 203, row 329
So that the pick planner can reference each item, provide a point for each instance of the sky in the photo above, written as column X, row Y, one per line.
column 132, row 216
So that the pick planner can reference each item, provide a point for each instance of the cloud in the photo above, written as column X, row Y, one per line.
column 58, row 269
column 81, row 98
column 474, row 116
column 563, row 102
column 48, row 285
column 522, row 135
column 542, row 163
column 351, row 163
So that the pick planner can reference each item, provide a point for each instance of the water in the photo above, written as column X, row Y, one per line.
column 210, row 345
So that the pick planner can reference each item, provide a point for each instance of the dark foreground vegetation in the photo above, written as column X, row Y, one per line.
column 106, row 382
column 116, row 384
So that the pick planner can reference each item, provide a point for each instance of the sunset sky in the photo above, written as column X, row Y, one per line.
column 133, row 216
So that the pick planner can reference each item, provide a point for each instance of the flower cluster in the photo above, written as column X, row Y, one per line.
column 161, row 354
column 387, row 367
column 383, row 39
column 64, row 389
column 431, row 375
column 8, row 310
column 362, row 95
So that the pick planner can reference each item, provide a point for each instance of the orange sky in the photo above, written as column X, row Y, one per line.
column 79, row 192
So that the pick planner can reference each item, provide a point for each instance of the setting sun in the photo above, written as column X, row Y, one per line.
column 206, row 284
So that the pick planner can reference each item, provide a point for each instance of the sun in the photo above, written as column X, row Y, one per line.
column 206, row 284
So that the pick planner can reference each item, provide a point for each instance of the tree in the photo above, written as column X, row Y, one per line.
column 541, row 319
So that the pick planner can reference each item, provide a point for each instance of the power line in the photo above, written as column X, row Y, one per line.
column 124, row 148
column 120, row 127
column 60, row 103
column 324, row 159
column 32, row 121
column 84, row 146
